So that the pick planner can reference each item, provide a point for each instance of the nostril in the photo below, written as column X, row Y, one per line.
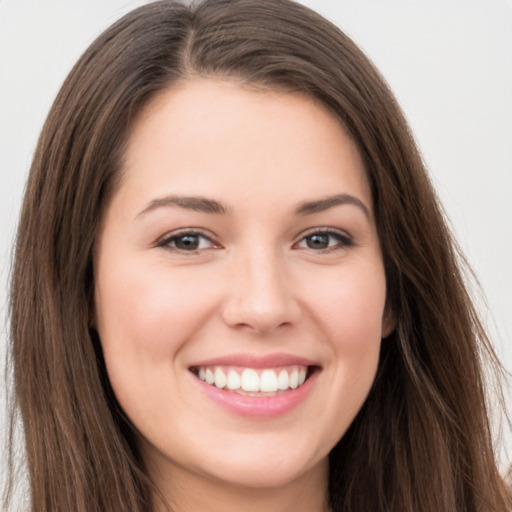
column 259, row 297
column 248, row 315
column 261, row 327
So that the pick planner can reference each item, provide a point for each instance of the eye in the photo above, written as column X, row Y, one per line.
column 324, row 239
column 187, row 241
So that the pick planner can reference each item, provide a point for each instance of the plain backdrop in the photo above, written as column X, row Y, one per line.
column 449, row 63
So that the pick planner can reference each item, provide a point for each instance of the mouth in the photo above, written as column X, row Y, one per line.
column 257, row 382
column 258, row 387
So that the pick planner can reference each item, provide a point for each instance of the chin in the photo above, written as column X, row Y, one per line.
column 265, row 469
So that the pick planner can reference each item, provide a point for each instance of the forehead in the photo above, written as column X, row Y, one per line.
column 210, row 136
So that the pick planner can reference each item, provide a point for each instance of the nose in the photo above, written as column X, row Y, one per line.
column 260, row 293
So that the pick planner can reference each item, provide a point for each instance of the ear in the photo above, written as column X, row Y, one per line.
column 388, row 322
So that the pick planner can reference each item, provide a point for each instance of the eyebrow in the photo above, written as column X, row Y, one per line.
column 311, row 207
column 198, row 204
column 211, row 206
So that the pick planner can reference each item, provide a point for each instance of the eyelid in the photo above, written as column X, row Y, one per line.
column 345, row 239
column 166, row 239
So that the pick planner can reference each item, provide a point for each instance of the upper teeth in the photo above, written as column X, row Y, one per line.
column 251, row 380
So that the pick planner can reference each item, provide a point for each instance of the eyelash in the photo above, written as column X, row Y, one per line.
column 343, row 241
column 171, row 239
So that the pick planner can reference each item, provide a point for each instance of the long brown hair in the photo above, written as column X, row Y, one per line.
column 422, row 440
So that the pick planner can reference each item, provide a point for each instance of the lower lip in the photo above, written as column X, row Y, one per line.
column 259, row 406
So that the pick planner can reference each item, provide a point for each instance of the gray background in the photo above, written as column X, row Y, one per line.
column 448, row 62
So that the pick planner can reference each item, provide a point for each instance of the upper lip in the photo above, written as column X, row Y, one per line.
column 256, row 361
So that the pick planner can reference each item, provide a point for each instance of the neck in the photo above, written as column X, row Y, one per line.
column 188, row 492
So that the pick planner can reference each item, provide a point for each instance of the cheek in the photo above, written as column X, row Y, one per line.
column 145, row 316
column 350, row 307
column 149, row 310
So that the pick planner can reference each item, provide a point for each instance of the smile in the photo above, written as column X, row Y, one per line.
column 251, row 381
column 257, row 387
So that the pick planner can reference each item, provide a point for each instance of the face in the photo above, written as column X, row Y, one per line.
column 240, row 290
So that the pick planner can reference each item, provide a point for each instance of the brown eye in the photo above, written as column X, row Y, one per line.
column 189, row 242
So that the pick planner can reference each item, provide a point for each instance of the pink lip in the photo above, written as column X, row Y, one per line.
column 263, row 407
column 253, row 361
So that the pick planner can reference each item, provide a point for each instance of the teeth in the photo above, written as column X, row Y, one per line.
column 283, row 381
column 209, row 377
column 266, row 381
column 250, row 380
column 294, row 379
column 302, row 376
column 233, row 380
column 220, row 378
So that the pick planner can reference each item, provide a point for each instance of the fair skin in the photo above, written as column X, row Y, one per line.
column 241, row 239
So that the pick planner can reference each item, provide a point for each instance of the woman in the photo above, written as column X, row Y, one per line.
column 234, row 287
